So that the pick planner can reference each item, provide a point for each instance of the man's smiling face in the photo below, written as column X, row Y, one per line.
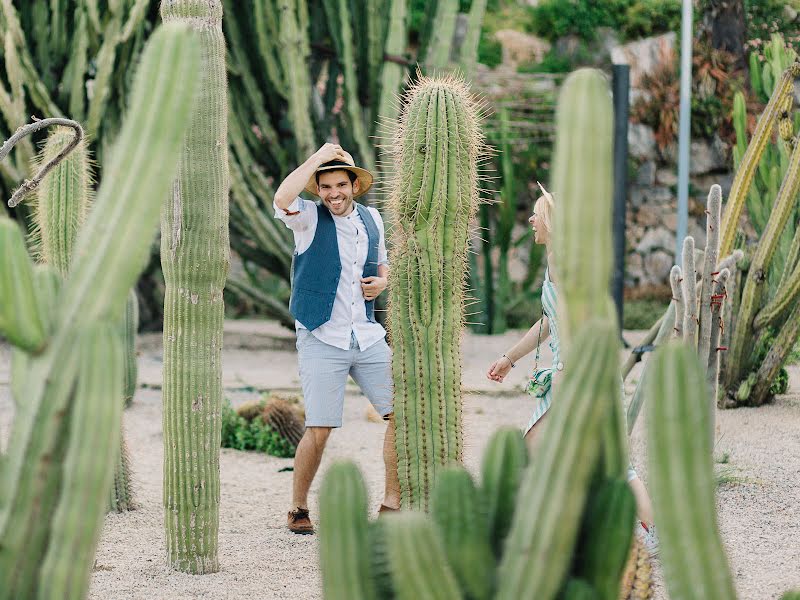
column 336, row 191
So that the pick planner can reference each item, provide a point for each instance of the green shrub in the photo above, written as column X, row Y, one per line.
column 239, row 434
column 650, row 17
column 642, row 314
column 490, row 51
column 553, row 19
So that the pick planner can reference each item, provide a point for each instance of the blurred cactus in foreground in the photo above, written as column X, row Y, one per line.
column 57, row 469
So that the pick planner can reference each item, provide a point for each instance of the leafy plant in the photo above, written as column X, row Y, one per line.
column 240, row 434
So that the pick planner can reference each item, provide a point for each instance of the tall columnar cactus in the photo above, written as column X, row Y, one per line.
column 434, row 196
column 55, row 475
column 582, row 224
column 194, row 258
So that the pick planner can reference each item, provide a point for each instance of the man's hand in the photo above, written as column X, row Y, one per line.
column 372, row 287
column 329, row 152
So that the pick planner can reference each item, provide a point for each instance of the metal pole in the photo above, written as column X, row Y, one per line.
column 684, row 139
column 621, row 87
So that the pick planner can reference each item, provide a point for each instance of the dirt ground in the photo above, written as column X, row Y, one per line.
column 259, row 558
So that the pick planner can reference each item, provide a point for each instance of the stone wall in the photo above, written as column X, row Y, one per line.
column 652, row 215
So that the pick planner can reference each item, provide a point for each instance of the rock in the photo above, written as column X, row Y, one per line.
column 704, row 156
column 647, row 217
column 646, row 175
column 656, row 196
column 634, row 268
column 657, row 267
column 519, row 47
column 660, row 238
column 789, row 12
column 667, row 176
column 643, row 55
column 641, row 142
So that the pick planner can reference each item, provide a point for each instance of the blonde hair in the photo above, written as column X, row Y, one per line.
column 546, row 208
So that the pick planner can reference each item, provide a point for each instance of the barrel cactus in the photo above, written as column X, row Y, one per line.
column 434, row 195
column 57, row 469
column 194, row 258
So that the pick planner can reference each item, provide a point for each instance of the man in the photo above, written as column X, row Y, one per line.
column 339, row 269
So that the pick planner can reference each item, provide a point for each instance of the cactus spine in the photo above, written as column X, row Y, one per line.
column 112, row 247
column 435, row 194
column 194, row 257
column 682, row 478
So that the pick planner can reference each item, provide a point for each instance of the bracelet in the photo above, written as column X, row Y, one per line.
column 509, row 360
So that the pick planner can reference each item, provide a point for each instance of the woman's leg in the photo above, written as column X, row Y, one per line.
column 644, row 507
column 534, row 434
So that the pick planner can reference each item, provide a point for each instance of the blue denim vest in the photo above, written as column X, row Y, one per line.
column 315, row 272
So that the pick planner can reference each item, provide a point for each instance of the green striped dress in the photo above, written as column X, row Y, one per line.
column 549, row 302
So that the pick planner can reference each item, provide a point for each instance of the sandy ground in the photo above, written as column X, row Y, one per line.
column 260, row 559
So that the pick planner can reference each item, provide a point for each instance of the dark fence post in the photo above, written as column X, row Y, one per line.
column 621, row 86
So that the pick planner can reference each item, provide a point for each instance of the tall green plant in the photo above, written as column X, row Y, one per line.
column 55, row 475
column 195, row 257
column 768, row 297
column 434, row 197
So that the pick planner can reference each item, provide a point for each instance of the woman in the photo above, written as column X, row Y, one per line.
column 547, row 327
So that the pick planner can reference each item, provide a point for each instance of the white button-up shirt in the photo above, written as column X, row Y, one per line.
column 349, row 312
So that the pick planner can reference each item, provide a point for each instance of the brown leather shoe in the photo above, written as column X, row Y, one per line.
column 299, row 522
column 385, row 508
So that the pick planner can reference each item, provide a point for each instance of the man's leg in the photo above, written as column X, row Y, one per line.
column 306, row 462
column 372, row 371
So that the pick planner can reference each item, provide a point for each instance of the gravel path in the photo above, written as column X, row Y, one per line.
column 260, row 559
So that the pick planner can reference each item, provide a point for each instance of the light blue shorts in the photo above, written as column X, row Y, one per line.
column 323, row 374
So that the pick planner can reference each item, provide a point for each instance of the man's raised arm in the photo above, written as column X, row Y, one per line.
column 296, row 181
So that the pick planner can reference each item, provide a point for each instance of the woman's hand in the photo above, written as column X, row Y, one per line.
column 499, row 369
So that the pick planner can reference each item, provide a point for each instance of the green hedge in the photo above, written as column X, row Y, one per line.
column 240, row 434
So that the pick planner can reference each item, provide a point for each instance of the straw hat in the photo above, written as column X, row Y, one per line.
column 364, row 177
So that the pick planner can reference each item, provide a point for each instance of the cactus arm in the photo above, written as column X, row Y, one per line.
column 689, row 286
column 392, row 74
column 717, row 326
column 267, row 31
column 134, row 19
column 539, row 549
column 776, row 357
column 21, row 320
column 29, row 129
column 88, row 465
column 468, row 54
column 297, row 79
column 605, row 538
column 344, row 542
column 502, row 467
column 464, row 529
column 757, row 275
column 665, row 332
column 786, row 296
column 713, row 215
column 682, row 477
column 675, row 280
column 744, row 175
column 106, row 57
column 417, row 559
column 582, row 220
column 77, row 68
column 440, row 44
column 633, row 357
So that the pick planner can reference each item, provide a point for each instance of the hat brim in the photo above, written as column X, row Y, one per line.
column 364, row 177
